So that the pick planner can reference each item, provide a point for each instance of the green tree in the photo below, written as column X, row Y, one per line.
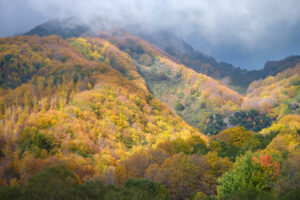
column 250, row 195
column 95, row 190
column 10, row 193
column 251, row 172
column 53, row 183
column 146, row 190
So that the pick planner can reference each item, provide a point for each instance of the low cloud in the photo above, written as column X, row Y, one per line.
column 245, row 33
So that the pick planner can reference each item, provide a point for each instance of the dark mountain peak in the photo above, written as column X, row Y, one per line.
column 66, row 28
column 274, row 67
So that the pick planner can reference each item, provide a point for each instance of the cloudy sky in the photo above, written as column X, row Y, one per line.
column 245, row 33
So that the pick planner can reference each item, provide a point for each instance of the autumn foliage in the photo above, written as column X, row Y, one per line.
column 113, row 113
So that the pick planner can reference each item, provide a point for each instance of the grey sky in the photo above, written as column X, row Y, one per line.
column 245, row 33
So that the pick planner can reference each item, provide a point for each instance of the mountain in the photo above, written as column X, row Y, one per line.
column 235, row 77
column 266, row 100
column 78, row 101
column 192, row 95
column 66, row 28
column 276, row 95
column 272, row 68
column 208, row 106
column 105, row 114
column 177, row 49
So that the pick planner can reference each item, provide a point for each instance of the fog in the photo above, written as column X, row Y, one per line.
column 245, row 33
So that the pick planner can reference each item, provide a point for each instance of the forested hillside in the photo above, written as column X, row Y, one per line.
column 111, row 116
column 62, row 101
column 277, row 95
column 191, row 95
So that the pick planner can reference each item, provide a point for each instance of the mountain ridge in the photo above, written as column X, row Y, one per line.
column 182, row 52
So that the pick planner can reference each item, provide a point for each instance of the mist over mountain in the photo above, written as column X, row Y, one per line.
column 246, row 33
column 168, row 41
